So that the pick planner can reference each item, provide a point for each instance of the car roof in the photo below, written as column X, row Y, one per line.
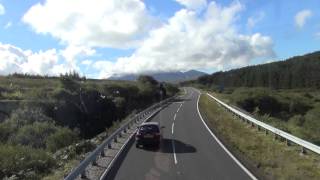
column 150, row 123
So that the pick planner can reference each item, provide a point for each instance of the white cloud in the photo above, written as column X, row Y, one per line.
column 95, row 23
column 193, row 4
column 8, row 25
column 193, row 41
column 302, row 16
column 86, row 62
column 252, row 21
column 14, row 59
column 71, row 55
column 2, row 10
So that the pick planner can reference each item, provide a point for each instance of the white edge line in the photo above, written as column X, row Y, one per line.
column 223, row 147
column 175, row 116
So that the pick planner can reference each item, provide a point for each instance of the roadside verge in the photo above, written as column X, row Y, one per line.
column 269, row 158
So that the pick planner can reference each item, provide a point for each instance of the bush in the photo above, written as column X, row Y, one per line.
column 61, row 138
column 27, row 116
column 6, row 130
column 34, row 135
column 24, row 162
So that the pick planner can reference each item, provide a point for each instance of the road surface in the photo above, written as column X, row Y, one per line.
column 188, row 150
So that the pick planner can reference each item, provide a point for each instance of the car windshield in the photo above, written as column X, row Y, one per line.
column 225, row 89
column 149, row 129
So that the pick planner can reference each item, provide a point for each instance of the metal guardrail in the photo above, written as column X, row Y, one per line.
column 99, row 151
column 289, row 137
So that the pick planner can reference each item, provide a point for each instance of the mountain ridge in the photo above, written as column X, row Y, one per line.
column 173, row 77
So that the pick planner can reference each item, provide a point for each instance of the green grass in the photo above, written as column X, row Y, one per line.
column 40, row 89
column 298, row 112
column 272, row 158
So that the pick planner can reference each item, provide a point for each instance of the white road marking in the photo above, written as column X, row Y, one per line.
column 175, row 116
column 174, row 152
column 173, row 146
column 172, row 128
column 223, row 147
column 180, row 106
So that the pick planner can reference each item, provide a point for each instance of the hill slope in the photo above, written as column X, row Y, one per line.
column 297, row 72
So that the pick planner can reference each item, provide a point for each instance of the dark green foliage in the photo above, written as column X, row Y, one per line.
column 61, row 138
column 270, row 102
column 26, row 115
column 289, row 110
column 6, row 130
column 24, row 162
column 88, row 110
column 34, row 135
column 148, row 87
column 171, row 89
column 297, row 72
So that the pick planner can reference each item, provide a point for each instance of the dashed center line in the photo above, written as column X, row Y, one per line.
column 172, row 128
column 175, row 116
column 174, row 152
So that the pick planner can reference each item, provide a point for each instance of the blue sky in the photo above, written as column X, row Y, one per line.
column 158, row 38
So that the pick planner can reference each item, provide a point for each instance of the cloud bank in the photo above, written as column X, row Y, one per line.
column 201, row 35
column 192, row 41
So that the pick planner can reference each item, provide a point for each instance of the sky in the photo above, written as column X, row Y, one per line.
column 100, row 38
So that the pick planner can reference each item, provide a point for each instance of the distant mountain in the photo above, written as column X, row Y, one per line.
column 172, row 77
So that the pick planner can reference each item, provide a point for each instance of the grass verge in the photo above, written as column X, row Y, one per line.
column 271, row 158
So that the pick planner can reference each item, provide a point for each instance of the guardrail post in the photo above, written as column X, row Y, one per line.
column 252, row 124
column 259, row 128
column 303, row 150
column 102, row 154
column 83, row 175
column 109, row 146
column 266, row 132
column 288, row 142
column 275, row 136
column 115, row 139
column 94, row 162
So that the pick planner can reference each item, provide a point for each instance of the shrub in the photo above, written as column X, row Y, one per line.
column 34, row 135
column 24, row 162
column 61, row 138
column 27, row 116
column 6, row 130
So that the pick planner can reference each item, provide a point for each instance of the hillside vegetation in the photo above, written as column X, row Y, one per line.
column 294, row 111
column 297, row 72
column 52, row 113
column 284, row 94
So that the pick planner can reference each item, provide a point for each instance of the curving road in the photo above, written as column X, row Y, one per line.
column 188, row 151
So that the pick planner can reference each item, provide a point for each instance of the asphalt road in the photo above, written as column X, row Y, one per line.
column 188, row 150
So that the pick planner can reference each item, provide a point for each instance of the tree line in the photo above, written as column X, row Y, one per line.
column 296, row 72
